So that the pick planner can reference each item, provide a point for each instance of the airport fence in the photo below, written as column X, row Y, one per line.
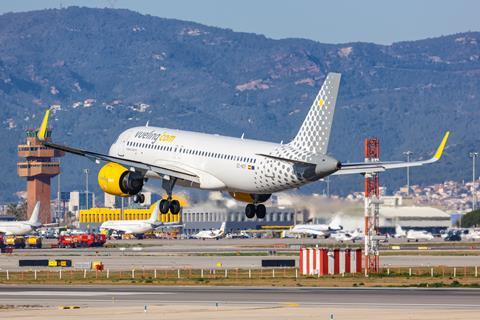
column 157, row 275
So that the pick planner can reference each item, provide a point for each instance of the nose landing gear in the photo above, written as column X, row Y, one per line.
column 139, row 198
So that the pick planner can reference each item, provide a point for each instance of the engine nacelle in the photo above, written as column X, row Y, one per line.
column 250, row 197
column 117, row 180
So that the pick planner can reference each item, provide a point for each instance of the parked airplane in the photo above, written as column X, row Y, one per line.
column 136, row 227
column 355, row 235
column 413, row 235
column 249, row 170
column 211, row 234
column 471, row 234
column 20, row 228
column 399, row 232
column 316, row 230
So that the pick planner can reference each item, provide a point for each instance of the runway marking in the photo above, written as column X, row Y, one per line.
column 78, row 293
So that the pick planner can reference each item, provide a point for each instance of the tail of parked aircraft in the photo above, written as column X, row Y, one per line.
column 34, row 218
column 314, row 133
column 335, row 224
column 222, row 227
column 154, row 216
column 399, row 232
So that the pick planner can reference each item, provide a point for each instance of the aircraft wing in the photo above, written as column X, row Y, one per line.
column 164, row 169
column 168, row 225
column 311, row 232
column 116, row 228
column 49, row 225
column 380, row 166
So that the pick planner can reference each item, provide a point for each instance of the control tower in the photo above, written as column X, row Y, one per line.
column 38, row 167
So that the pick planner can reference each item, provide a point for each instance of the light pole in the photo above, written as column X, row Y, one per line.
column 474, row 156
column 408, row 154
column 86, row 171
column 327, row 186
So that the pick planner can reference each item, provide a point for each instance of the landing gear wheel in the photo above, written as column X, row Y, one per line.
column 139, row 198
column 261, row 211
column 250, row 211
column 175, row 207
column 136, row 198
column 164, row 206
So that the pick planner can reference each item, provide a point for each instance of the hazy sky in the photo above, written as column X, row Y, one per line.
column 334, row 21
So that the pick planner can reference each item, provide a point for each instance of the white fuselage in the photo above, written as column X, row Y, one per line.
column 419, row 235
column 128, row 226
column 17, row 228
column 212, row 234
column 318, row 230
column 220, row 162
column 348, row 236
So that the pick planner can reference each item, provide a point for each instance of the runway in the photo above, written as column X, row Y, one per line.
column 113, row 259
column 344, row 297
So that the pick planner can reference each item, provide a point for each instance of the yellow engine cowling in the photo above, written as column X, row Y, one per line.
column 117, row 180
column 250, row 197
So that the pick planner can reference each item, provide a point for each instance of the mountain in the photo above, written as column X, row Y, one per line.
column 105, row 70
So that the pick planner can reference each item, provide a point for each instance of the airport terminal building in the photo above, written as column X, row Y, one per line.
column 207, row 217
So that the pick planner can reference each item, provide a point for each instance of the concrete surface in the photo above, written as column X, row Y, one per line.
column 128, row 302
column 116, row 260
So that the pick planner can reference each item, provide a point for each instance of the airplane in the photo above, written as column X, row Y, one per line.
column 136, row 227
column 21, row 228
column 355, row 235
column 413, row 235
column 399, row 232
column 316, row 230
column 249, row 170
column 471, row 234
column 211, row 234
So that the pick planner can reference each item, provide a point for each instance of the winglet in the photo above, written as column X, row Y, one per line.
column 42, row 132
column 439, row 152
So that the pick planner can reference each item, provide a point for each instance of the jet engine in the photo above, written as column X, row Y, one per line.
column 250, row 197
column 117, row 180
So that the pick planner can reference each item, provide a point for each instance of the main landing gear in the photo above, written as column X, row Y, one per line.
column 259, row 210
column 169, row 204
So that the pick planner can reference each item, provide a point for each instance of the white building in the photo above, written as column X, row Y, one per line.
column 79, row 200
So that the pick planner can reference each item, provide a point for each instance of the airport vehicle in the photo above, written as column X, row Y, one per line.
column 17, row 242
column 82, row 240
column 211, row 234
column 316, row 230
column 136, row 227
column 249, row 170
column 20, row 228
column 453, row 235
column 34, row 242
column 49, row 233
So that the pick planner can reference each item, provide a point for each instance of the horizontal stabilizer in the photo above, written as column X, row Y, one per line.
column 379, row 166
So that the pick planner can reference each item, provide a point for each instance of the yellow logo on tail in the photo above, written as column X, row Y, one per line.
column 321, row 103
